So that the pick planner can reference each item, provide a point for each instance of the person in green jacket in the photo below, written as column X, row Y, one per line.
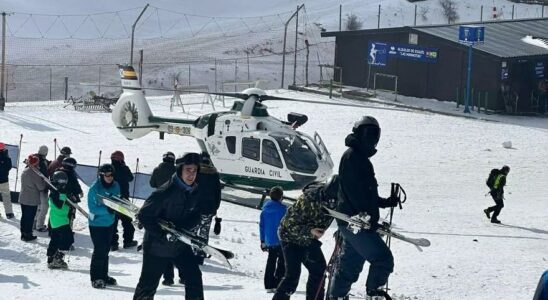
column 61, row 234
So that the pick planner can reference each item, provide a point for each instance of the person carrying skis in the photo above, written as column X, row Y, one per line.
column 175, row 202
column 497, row 192
column 61, row 235
column 271, row 216
column 5, row 167
column 101, row 225
column 123, row 176
column 358, row 194
column 300, row 230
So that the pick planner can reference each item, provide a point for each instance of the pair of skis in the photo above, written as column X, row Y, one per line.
column 69, row 201
column 359, row 222
column 129, row 209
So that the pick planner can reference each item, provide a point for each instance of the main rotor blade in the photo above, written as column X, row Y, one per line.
column 344, row 104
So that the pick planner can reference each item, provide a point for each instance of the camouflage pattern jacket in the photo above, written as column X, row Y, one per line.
column 305, row 214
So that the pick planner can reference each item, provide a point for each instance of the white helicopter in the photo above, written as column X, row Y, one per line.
column 247, row 145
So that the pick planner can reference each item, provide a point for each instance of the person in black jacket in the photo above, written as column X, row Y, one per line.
column 161, row 175
column 122, row 175
column 175, row 202
column 5, row 167
column 358, row 194
column 163, row 172
column 73, row 189
column 497, row 192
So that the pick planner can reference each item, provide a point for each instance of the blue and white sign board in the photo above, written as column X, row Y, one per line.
column 412, row 52
column 13, row 153
column 377, row 54
column 471, row 35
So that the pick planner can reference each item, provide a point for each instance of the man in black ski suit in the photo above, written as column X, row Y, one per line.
column 175, row 202
column 73, row 189
column 358, row 194
column 122, row 175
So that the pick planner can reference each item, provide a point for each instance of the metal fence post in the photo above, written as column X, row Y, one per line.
column 415, row 22
column 99, row 90
column 379, row 18
column 66, row 88
column 481, row 14
column 188, row 75
column 50, row 81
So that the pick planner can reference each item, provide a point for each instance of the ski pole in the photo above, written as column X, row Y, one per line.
column 18, row 159
column 330, row 266
column 99, row 163
column 135, row 180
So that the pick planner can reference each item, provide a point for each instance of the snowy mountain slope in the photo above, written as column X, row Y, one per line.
column 441, row 161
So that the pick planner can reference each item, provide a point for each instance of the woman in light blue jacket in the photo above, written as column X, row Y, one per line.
column 100, row 225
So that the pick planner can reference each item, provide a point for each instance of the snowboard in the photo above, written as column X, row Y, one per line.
column 362, row 222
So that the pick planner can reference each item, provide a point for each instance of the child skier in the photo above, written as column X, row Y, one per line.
column 271, row 215
column 61, row 234
column 497, row 192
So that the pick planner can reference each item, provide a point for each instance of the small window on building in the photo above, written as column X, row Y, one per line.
column 251, row 148
column 231, row 144
column 271, row 155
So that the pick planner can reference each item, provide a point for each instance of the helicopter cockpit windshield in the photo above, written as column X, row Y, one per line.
column 297, row 153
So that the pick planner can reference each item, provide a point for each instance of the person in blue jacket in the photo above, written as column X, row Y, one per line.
column 542, row 288
column 271, row 215
column 101, row 225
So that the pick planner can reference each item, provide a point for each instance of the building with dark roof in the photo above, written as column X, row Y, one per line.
column 429, row 62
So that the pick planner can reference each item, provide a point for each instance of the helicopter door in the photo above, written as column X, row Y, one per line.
column 270, row 154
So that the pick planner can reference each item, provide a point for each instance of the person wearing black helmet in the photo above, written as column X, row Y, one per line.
column 175, row 202
column 497, row 192
column 123, row 176
column 300, row 230
column 73, row 190
column 61, row 235
column 163, row 172
column 358, row 194
column 101, row 225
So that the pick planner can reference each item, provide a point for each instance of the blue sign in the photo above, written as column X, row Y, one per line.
column 471, row 35
column 539, row 70
column 412, row 52
column 377, row 54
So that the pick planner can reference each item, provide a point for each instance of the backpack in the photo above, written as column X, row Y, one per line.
column 492, row 177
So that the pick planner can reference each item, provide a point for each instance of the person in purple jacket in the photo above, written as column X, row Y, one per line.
column 271, row 215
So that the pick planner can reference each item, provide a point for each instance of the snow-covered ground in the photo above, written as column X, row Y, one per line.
column 441, row 161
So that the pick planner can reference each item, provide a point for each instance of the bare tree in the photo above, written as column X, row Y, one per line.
column 423, row 12
column 353, row 22
column 449, row 10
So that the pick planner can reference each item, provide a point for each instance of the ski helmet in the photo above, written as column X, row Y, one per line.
column 66, row 151
column 106, row 168
column 505, row 169
column 69, row 163
column 117, row 155
column 43, row 150
column 168, row 157
column 368, row 133
column 2, row 146
column 33, row 160
column 59, row 180
column 331, row 188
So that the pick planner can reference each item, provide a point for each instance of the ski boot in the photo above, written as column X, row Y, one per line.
column 487, row 213
column 168, row 282
column 25, row 237
column 114, row 247
column 130, row 244
column 377, row 294
column 111, row 281
column 98, row 284
column 495, row 220
column 10, row 216
column 56, row 261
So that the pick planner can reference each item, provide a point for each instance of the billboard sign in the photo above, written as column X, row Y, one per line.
column 377, row 54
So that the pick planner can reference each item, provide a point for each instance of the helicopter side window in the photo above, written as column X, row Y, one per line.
column 271, row 155
column 251, row 148
column 231, row 144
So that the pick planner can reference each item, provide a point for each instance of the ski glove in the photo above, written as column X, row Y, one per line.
column 389, row 202
column 264, row 247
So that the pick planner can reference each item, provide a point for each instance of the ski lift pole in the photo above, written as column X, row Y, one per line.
column 55, row 148
column 133, row 33
column 18, row 159
column 99, row 162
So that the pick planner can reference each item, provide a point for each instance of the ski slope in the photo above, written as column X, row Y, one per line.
column 441, row 161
